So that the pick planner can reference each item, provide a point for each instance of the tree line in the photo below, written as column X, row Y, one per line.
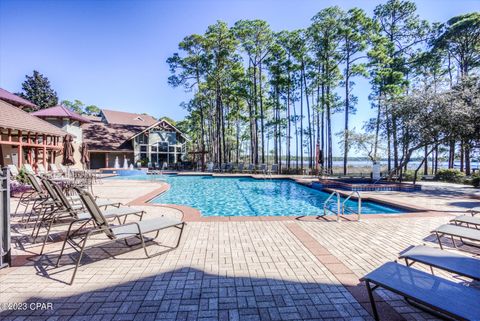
column 257, row 93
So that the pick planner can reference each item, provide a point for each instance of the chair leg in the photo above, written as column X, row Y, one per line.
column 79, row 257
column 64, row 243
column 46, row 236
column 372, row 301
column 439, row 240
column 180, row 236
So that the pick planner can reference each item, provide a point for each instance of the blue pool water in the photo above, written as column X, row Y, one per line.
column 243, row 196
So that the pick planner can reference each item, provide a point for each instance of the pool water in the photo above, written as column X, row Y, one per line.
column 244, row 196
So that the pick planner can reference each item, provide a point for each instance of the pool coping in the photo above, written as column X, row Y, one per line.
column 191, row 214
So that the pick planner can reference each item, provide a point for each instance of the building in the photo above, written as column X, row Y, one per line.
column 25, row 138
column 68, row 121
column 135, row 138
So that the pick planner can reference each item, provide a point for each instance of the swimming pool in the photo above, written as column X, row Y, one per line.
column 244, row 196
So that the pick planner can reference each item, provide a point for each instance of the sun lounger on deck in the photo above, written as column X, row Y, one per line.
column 467, row 220
column 432, row 293
column 474, row 211
column 455, row 231
column 445, row 260
column 122, row 231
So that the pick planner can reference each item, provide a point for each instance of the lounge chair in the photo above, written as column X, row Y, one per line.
column 38, row 199
column 228, row 168
column 474, row 211
column 210, row 167
column 28, row 169
column 13, row 171
column 263, row 169
column 273, row 169
column 467, row 220
column 55, row 171
column 240, row 167
column 455, row 231
column 250, row 169
column 41, row 169
column 29, row 197
column 71, row 209
column 432, row 293
column 120, row 232
column 445, row 260
column 64, row 169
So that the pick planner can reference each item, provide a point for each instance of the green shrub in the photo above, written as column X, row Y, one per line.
column 476, row 179
column 450, row 175
column 409, row 174
column 22, row 177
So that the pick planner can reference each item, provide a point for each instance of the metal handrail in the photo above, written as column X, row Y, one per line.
column 359, row 212
column 337, row 194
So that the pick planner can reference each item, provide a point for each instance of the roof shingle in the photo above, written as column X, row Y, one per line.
column 15, row 118
column 124, row 118
column 16, row 100
column 109, row 137
column 60, row 112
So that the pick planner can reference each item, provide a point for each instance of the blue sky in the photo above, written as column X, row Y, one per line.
column 112, row 53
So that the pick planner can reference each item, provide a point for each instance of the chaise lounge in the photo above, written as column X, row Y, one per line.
column 444, row 260
column 439, row 296
column 455, row 231
column 119, row 232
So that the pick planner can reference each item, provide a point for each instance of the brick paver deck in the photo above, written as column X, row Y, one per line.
column 231, row 270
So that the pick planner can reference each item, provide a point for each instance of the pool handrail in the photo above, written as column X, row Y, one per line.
column 337, row 194
column 359, row 197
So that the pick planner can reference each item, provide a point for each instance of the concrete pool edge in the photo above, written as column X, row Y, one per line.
column 191, row 214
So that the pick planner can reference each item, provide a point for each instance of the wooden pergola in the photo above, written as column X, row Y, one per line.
column 34, row 143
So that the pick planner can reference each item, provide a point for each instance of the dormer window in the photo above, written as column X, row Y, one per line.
column 139, row 118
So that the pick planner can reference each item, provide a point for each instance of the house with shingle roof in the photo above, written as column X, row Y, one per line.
column 69, row 121
column 25, row 138
column 132, row 137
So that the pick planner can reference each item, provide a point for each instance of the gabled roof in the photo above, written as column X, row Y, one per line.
column 17, row 119
column 124, row 118
column 109, row 137
column 60, row 112
column 16, row 100
column 162, row 122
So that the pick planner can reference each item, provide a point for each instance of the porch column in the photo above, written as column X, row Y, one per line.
column 54, row 152
column 44, row 151
column 106, row 160
column 20, row 150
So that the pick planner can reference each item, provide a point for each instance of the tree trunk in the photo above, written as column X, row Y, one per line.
column 262, row 123
column 301, row 121
column 425, row 168
column 451, row 154
column 308, row 115
column 377, row 129
column 424, row 160
column 467, row 158
column 347, row 111
column 462, row 156
column 255, row 105
column 289, row 135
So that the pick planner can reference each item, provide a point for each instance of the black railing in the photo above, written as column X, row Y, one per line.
column 5, row 245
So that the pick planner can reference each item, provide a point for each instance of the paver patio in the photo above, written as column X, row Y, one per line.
column 232, row 270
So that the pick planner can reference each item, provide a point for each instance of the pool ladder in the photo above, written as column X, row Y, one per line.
column 342, row 209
